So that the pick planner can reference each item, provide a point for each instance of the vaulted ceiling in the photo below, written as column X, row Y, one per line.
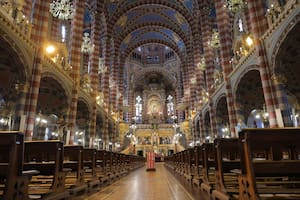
column 134, row 23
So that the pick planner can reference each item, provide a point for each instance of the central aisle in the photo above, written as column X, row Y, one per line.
column 143, row 185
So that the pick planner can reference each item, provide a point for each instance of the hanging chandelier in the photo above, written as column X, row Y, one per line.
column 235, row 6
column 62, row 9
column 86, row 46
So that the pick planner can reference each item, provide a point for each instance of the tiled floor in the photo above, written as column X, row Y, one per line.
column 143, row 185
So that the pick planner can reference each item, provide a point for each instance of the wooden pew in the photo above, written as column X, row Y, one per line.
column 13, row 180
column 180, row 163
column 101, row 167
column 73, row 159
column 177, row 162
column 277, row 174
column 227, row 163
column 208, row 156
column 127, row 163
column 189, row 163
column 198, row 167
column 115, row 164
column 109, row 165
column 122, row 165
column 137, row 161
column 47, row 158
column 90, row 171
column 170, row 161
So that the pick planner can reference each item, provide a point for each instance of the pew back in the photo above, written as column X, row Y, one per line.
column 276, row 171
column 44, row 156
column 11, row 156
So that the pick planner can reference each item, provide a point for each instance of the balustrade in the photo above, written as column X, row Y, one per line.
column 12, row 11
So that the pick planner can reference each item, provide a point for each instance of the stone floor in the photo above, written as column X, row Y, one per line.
column 161, row 184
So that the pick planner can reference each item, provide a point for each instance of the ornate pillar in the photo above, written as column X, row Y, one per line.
column 55, row 31
column 180, row 94
column 130, row 104
column 207, row 63
column 39, row 34
column 105, row 133
column 213, row 120
column 259, row 26
column 239, row 112
column 75, row 61
column 202, row 129
column 122, row 89
column 113, row 78
column 105, row 75
column 28, row 8
column 22, row 90
column 282, row 99
column 200, row 82
column 105, row 87
column 94, row 62
column 114, row 136
column 225, row 29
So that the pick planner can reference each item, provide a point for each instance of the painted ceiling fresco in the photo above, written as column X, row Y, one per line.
column 135, row 21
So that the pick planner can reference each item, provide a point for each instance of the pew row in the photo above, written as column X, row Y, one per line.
column 260, row 164
column 56, row 171
column 270, row 165
column 47, row 158
column 73, row 160
column 227, row 165
column 14, row 180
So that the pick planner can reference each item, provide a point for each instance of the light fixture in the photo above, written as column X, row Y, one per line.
column 265, row 113
column 112, row 83
column 174, row 117
column 86, row 46
column 119, row 95
column 101, row 67
column 193, row 80
column 201, row 64
column 133, row 126
column 100, row 99
column 249, row 41
column 235, row 6
column 187, row 92
column 3, row 121
column 62, row 9
column 215, row 39
column 274, row 10
column 205, row 95
column 50, row 49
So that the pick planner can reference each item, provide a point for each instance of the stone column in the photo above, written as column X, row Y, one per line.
column 279, row 82
column 259, row 25
column 75, row 62
column 39, row 34
column 225, row 29
column 94, row 62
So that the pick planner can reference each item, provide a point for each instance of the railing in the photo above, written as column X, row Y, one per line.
column 64, row 69
column 149, row 126
column 275, row 14
column 275, row 11
column 13, row 13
